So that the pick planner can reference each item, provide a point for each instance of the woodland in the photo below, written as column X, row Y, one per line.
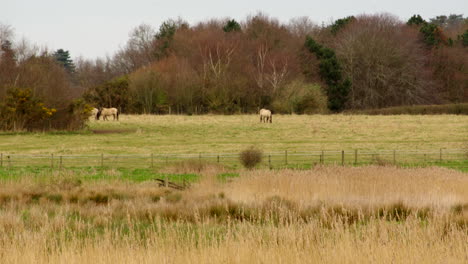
column 224, row 66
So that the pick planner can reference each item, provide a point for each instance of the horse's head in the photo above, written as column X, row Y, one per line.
column 98, row 113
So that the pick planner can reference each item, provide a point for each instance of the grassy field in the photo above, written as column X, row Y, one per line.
column 326, row 215
column 317, row 214
column 145, row 134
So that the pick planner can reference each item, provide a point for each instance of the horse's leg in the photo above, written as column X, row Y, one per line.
column 271, row 118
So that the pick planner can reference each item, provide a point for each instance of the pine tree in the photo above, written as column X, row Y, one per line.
column 231, row 26
column 330, row 72
column 63, row 57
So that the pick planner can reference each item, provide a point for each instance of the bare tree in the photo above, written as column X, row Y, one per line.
column 385, row 63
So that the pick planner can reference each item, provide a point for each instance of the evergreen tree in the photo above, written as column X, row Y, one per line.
column 63, row 57
column 464, row 38
column 340, row 23
column 432, row 33
column 164, row 37
column 416, row 20
column 330, row 72
column 232, row 25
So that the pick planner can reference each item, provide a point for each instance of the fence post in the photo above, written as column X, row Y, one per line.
column 286, row 157
column 394, row 157
column 9, row 161
column 342, row 158
column 218, row 158
column 102, row 160
column 269, row 161
column 60, row 163
column 322, row 157
column 167, row 160
column 52, row 160
column 440, row 157
column 355, row 156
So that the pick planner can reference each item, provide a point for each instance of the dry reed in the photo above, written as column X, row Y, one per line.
column 326, row 215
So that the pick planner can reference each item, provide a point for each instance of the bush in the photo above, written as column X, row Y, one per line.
column 301, row 98
column 23, row 111
column 250, row 157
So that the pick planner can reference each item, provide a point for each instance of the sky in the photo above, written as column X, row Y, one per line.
column 98, row 28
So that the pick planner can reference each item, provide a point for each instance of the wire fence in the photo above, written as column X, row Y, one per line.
column 279, row 159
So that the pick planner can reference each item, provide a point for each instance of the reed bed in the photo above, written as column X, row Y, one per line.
column 375, row 214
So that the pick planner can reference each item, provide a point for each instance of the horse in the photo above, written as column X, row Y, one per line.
column 105, row 112
column 265, row 115
column 94, row 113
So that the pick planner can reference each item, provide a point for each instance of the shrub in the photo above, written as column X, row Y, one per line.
column 21, row 110
column 301, row 98
column 250, row 157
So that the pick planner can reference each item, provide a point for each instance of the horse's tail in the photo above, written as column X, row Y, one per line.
column 271, row 118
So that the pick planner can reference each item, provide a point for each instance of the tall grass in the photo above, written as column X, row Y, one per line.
column 326, row 215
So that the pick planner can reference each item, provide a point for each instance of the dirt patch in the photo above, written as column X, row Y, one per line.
column 112, row 131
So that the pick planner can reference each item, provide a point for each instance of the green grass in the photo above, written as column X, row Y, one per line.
column 231, row 134
column 90, row 173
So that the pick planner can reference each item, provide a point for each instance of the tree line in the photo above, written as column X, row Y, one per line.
column 226, row 66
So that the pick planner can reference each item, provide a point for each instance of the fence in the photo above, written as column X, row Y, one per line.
column 291, row 159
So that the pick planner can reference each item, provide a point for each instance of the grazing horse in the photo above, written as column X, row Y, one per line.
column 105, row 112
column 265, row 115
column 94, row 113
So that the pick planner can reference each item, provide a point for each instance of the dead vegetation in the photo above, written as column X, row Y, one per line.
column 326, row 215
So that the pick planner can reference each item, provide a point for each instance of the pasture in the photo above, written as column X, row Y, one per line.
column 145, row 134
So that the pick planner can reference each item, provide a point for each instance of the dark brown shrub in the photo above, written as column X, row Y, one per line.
column 251, row 157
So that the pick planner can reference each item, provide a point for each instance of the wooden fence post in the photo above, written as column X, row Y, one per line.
column 323, row 157
column 269, row 161
column 342, row 158
column 440, row 157
column 286, row 157
column 355, row 156
column 60, row 163
column 52, row 160
column 218, row 158
column 9, row 161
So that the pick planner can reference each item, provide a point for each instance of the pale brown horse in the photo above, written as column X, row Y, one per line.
column 105, row 112
column 94, row 113
column 265, row 115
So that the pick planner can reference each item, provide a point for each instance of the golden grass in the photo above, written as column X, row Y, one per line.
column 325, row 215
column 145, row 134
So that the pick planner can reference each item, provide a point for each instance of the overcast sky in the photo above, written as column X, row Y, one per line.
column 96, row 28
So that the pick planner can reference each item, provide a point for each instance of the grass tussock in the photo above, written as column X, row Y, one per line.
column 325, row 215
